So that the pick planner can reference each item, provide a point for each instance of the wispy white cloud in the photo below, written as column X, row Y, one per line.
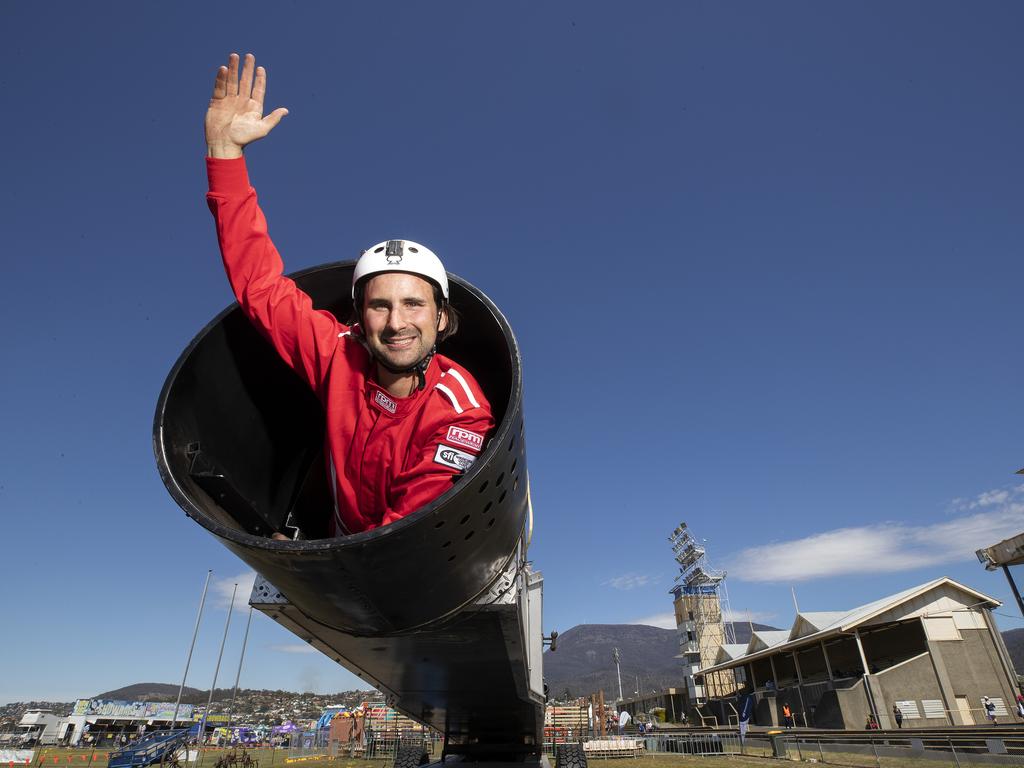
column 293, row 648
column 663, row 620
column 629, row 581
column 886, row 547
column 220, row 590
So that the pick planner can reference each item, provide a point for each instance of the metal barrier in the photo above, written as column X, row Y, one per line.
column 372, row 744
column 890, row 749
column 695, row 743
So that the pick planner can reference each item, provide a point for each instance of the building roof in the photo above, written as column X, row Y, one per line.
column 809, row 622
column 730, row 651
column 812, row 626
column 763, row 639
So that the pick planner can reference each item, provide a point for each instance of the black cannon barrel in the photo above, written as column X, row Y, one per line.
column 238, row 439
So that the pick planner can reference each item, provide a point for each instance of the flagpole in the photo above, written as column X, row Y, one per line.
column 216, row 670
column 245, row 641
column 188, row 661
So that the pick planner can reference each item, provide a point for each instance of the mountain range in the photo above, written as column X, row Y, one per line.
column 583, row 663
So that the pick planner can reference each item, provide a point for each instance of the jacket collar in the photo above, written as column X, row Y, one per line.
column 397, row 407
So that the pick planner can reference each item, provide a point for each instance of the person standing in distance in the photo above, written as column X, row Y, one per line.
column 403, row 422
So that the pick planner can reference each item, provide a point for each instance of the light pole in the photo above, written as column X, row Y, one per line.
column 618, row 673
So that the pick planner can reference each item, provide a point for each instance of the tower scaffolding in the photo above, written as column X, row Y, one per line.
column 701, row 606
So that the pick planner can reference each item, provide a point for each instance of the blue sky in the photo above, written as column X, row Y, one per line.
column 763, row 261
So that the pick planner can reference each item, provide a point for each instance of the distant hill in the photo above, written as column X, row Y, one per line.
column 583, row 664
column 154, row 692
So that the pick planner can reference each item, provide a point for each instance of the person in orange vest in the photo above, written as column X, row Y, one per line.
column 787, row 715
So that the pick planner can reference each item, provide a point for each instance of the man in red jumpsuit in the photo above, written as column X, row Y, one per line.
column 402, row 421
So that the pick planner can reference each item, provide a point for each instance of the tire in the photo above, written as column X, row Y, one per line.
column 411, row 757
column 570, row 756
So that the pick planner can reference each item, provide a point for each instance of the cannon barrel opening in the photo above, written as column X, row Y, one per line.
column 238, row 439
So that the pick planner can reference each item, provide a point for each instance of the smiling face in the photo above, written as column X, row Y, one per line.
column 400, row 318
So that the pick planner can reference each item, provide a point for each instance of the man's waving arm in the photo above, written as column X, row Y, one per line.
column 303, row 336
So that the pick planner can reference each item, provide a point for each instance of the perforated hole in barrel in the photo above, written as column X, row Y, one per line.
column 501, row 479
column 463, row 520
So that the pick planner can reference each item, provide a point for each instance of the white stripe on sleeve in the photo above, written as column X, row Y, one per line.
column 465, row 386
column 451, row 396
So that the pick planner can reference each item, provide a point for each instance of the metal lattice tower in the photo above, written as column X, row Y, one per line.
column 701, row 605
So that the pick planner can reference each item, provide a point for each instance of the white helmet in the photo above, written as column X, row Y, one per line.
column 401, row 256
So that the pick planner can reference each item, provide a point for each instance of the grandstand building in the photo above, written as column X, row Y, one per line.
column 933, row 650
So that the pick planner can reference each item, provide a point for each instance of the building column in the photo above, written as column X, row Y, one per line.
column 775, row 675
column 753, row 679
column 828, row 664
column 1004, row 657
column 866, row 680
column 942, row 678
column 800, row 686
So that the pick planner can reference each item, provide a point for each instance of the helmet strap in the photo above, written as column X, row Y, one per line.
column 420, row 368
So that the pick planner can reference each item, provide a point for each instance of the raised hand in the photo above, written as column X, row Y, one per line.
column 235, row 115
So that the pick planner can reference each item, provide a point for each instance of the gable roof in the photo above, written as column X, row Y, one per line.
column 763, row 639
column 809, row 622
column 730, row 651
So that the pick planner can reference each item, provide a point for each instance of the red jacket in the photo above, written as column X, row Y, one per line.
column 387, row 456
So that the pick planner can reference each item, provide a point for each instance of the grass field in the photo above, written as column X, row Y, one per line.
column 73, row 758
column 84, row 758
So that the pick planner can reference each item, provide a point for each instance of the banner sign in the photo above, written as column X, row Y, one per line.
column 134, row 710
column 23, row 756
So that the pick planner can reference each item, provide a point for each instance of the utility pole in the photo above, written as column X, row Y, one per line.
column 618, row 672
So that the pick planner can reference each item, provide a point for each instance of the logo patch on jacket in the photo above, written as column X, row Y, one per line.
column 453, row 457
column 385, row 402
column 465, row 438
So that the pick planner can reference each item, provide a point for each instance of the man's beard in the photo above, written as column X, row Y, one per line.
column 404, row 358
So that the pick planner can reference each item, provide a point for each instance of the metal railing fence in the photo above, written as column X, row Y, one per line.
column 889, row 750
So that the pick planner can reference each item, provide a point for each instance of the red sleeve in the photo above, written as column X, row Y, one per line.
column 305, row 337
column 434, row 471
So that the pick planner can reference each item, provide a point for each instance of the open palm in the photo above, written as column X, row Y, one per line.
column 235, row 115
